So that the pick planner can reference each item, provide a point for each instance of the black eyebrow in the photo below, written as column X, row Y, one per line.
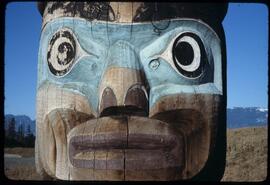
column 86, row 10
column 208, row 12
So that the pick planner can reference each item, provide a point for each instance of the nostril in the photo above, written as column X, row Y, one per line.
column 135, row 103
column 108, row 99
column 136, row 96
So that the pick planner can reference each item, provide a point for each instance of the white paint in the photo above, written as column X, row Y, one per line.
column 55, row 53
column 197, row 54
column 168, row 56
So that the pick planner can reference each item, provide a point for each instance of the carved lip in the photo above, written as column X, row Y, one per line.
column 125, row 143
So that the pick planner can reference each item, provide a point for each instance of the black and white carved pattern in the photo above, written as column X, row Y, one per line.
column 61, row 52
column 211, row 13
column 87, row 10
column 189, row 55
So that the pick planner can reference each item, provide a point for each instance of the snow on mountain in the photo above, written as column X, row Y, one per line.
column 262, row 109
column 246, row 117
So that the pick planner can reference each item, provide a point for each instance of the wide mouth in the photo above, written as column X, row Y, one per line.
column 125, row 143
column 170, row 145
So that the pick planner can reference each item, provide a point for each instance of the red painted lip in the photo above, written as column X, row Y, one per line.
column 134, row 143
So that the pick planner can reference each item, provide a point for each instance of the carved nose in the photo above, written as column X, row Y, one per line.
column 122, row 92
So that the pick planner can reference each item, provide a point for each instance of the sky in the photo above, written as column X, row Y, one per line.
column 246, row 31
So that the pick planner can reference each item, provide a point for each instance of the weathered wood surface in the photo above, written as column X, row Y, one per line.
column 123, row 87
column 122, row 124
column 133, row 11
column 62, row 111
column 90, row 149
column 130, row 146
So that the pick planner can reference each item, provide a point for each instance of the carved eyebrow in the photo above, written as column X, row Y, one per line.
column 211, row 13
column 86, row 10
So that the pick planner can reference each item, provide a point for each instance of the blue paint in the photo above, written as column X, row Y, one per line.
column 154, row 64
column 123, row 54
column 105, row 45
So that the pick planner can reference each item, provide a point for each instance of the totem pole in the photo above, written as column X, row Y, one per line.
column 131, row 91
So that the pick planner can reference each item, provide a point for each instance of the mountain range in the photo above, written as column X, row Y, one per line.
column 21, row 119
column 237, row 117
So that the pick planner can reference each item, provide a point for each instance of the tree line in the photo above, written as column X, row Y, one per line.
column 18, row 138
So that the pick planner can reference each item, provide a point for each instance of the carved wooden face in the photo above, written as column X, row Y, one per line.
column 121, row 100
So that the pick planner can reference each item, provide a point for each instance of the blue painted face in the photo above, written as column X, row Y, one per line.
column 87, row 49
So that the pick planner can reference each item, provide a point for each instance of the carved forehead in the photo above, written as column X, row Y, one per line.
column 133, row 11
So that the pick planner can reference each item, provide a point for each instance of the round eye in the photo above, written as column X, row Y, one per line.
column 189, row 55
column 61, row 52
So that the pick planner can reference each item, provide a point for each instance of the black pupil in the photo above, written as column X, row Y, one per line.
column 184, row 53
column 65, row 47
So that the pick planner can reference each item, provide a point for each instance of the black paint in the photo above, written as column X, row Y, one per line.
column 180, row 54
column 65, row 47
column 184, row 53
column 87, row 10
column 70, row 48
column 211, row 13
